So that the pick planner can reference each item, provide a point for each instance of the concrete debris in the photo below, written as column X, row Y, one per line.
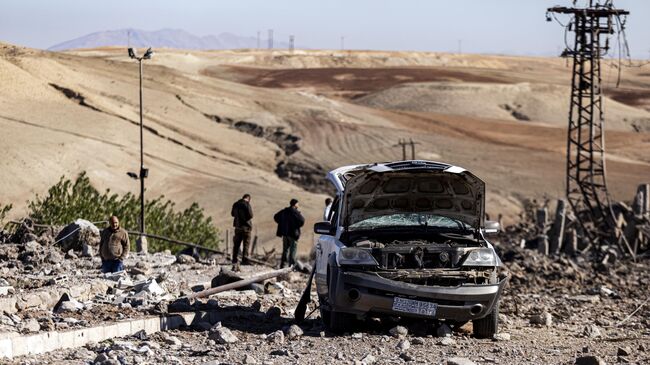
column 460, row 361
column 443, row 330
column 222, row 335
column 399, row 331
column 543, row 319
column 368, row 359
column 276, row 337
column 294, row 332
column 185, row 259
column 403, row 345
column 501, row 336
column 591, row 331
column 447, row 341
column 590, row 360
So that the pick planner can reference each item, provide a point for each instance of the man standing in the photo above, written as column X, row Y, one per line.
column 242, row 214
column 289, row 221
column 328, row 209
column 114, row 246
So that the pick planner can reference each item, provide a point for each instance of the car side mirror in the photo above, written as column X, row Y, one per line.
column 491, row 228
column 323, row 228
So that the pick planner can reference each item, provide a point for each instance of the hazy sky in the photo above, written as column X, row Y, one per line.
column 484, row 26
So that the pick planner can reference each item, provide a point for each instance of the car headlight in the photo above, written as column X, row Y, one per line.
column 355, row 256
column 481, row 257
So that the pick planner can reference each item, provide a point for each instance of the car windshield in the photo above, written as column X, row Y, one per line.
column 432, row 221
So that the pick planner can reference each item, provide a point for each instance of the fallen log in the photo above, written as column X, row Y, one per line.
column 239, row 284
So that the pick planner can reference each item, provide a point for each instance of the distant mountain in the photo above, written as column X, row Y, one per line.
column 164, row 38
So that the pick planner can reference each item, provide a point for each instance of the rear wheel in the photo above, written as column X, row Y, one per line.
column 487, row 326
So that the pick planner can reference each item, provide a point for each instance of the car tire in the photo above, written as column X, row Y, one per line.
column 487, row 326
column 341, row 322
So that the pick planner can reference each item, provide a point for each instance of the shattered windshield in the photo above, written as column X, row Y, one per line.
column 410, row 220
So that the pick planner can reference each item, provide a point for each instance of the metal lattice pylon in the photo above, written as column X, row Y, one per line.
column 586, row 186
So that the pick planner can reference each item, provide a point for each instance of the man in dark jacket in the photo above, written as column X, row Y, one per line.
column 242, row 214
column 289, row 221
column 114, row 246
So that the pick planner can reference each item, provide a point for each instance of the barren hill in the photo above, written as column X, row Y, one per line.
column 222, row 123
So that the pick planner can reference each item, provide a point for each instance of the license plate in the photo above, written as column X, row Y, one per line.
column 414, row 307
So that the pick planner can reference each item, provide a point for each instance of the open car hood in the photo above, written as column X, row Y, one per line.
column 423, row 187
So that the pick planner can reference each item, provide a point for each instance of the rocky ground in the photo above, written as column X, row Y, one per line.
column 556, row 310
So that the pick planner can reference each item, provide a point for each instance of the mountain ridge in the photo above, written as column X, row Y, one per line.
column 162, row 38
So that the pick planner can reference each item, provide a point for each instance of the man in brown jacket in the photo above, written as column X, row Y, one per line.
column 114, row 246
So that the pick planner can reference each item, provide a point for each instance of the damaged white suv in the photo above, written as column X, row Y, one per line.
column 407, row 239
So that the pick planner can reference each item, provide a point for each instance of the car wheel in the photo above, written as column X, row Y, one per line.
column 487, row 326
column 341, row 322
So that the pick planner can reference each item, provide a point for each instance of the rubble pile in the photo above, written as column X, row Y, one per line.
column 561, row 232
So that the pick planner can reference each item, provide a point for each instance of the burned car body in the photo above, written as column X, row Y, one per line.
column 407, row 239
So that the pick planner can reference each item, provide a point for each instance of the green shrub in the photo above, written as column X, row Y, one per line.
column 66, row 201
column 4, row 209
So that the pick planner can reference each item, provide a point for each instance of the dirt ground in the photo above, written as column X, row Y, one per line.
column 594, row 311
column 224, row 123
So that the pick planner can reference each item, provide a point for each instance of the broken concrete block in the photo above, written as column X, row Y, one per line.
column 67, row 304
column 399, row 331
column 543, row 244
column 185, row 259
column 276, row 337
column 294, row 332
column 542, row 219
column 556, row 234
column 149, row 286
column 222, row 335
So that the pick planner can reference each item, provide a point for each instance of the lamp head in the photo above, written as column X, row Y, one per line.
column 132, row 53
column 148, row 54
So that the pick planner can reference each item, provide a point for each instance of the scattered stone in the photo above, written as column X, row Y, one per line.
column 67, row 304
column 460, row 361
column 259, row 288
column 543, row 319
column 443, row 331
column 222, row 335
column 417, row 341
column 590, row 360
column 141, row 268
column 339, row 356
column 276, row 337
column 71, row 255
column 624, row 351
column 368, row 359
column 173, row 341
column 403, row 345
column 249, row 359
column 447, row 341
column 398, row 331
column 29, row 325
column 279, row 352
column 273, row 313
column 294, row 332
column 406, row 357
column 501, row 336
column 101, row 358
column 357, row 335
column 591, row 331
column 185, row 259
column 273, row 288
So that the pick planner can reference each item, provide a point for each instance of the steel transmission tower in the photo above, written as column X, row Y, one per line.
column 586, row 186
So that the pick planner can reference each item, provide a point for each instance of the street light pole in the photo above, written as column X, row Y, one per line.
column 141, row 157
column 141, row 243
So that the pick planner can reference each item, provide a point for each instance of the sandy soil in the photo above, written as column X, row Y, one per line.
column 197, row 102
